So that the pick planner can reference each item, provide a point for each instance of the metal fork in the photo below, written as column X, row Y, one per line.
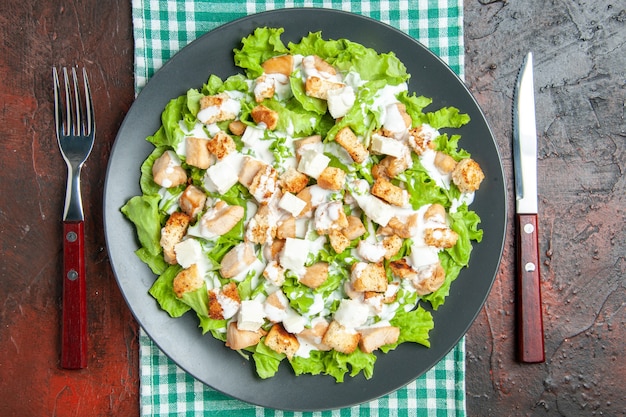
column 75, row 130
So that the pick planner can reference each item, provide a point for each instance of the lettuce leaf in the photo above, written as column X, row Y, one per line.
column 258, row 47
column 163, row 291
column 143, row 211
column 414, row 327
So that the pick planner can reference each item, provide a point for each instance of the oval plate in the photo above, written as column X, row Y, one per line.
column 209, row 360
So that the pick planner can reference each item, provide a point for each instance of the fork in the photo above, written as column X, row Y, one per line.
column 75, row 131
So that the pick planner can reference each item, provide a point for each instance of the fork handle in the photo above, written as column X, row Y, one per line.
column 74, row 331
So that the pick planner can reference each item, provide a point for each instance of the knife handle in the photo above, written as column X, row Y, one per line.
column 74, row 331
column 530, row 320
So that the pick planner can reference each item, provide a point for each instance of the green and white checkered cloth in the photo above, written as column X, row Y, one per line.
column 161, row 28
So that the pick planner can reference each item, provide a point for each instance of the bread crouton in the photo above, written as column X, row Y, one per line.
column 213, row 110
column 354, row 229
column 349, row 141
column 444, row 163
column 192, row 201
column 261, row 114
column 315, row 275
column 274, row 273
column 368, row 277
column 332, row 178
column 224, row 302
column 281, row 64
column 237, row 339
column 429, row 279
column 392, row 194
column 402, row 228
column 197, row 153
column 440, row 237
column 187, row 280
column 340, row 338
column 260, row 228
column 338, row 241
column 167, row 172
column 305, row 195
column 264, row 87
column 221, row 218
column 375, row 337
column 421, row 138
column 467, row 175
column 237, row 260
column 309, row 142
column 172, row 233
column 293, row 181
column 396, row 166
column 319, row 87
column 249, row 168
column 237, row 127
column 281, row 341
column 221, row 145
column 330, row 216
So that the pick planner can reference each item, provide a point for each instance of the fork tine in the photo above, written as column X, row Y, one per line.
column 57, row 102
column 90, row 127
column 68, row 122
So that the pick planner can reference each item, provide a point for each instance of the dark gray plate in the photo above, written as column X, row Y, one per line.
column 209, row 360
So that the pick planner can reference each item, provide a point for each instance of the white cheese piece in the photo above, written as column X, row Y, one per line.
column 291, row 204
column 188, row 252
column 293, row 322
column 352, row 313
column 224, row 174
column 422, row 256
column 340, row 101
column 374, row 208
column 229, row 306
column 388, row 146
column 294, row 254
column 312, row 163
column 251, row 315
column 372, row 252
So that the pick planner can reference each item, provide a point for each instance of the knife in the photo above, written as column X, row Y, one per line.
column 529, row 314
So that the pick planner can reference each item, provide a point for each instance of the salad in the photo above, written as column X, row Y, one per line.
column 307, row 208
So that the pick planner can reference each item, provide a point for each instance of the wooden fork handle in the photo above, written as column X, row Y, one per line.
column 74, row 327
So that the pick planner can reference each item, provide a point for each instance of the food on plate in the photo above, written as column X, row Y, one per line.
column 307, row 209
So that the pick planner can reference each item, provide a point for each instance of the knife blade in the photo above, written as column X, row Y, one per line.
column 530, row 338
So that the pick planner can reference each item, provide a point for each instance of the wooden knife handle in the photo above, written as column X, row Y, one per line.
column 530, row 320
column 74, row 331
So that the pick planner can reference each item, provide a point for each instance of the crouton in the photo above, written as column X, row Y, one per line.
column 435, row 213
column 264, row 87
column 261, row 114
column 396, row 166
column 402, row 228
column 192, row 201
column 293, row 181
column 274, row 273
column 281, row 64
column 467, row 175
column 237, row 339
column 338, row 241
column 167, row 172
column 221, row 218
column 264, row 184
column 392, row 194
column 440, row 237
column 213, row 110
column 318, row 87
column 421, row 138
column 379, row 171
column 286, row 228
column 224, row 302
column 305, row 195
column 332, row 178
column 392, row 245
column 315, row 275
column 221, row 145
column 375, row 337
column 281, row 341
column 341, row 339
column 249, row 168
column 237, row 260
column 275, row 248
column 237, row 127
column 187, row 280
column 330, row 216
column 368, row 277
column 354, row 229
column 429, row 279
column 197, row 153
column 172, row 233
column 349, row 141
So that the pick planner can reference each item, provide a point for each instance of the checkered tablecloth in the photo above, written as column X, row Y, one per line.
column 163, row 27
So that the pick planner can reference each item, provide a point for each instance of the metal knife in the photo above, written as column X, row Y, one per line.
column 529, row 314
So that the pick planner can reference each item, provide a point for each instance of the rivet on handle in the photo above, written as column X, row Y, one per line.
column 71, row 236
